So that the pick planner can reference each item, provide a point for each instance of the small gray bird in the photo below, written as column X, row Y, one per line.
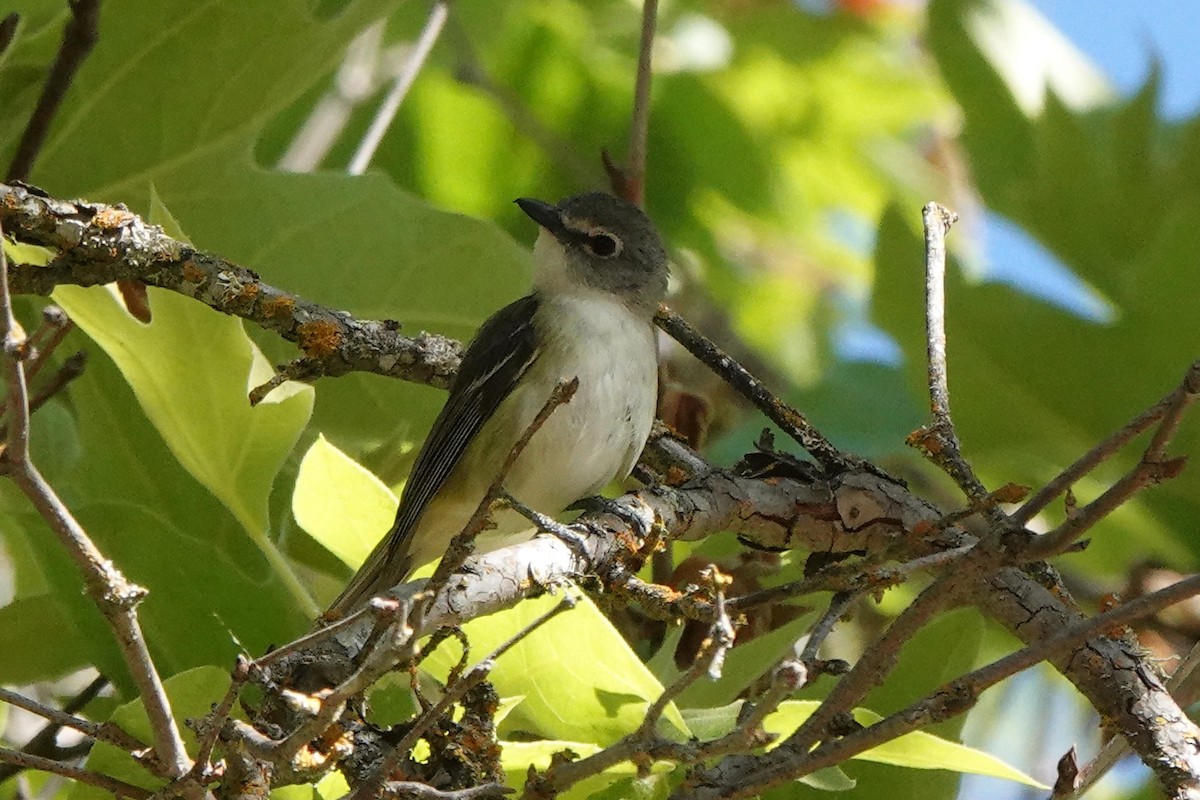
column 600, row 271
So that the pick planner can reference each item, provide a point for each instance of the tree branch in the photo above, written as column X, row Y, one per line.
column 831, row 513
column 98, row 244
column 79, row 37
column 116, row 597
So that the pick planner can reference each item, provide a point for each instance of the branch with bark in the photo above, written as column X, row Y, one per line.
column 771, row 501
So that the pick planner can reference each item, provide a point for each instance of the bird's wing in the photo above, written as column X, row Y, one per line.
column 502, row 351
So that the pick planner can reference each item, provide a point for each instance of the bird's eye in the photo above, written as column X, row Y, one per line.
column 603, row 245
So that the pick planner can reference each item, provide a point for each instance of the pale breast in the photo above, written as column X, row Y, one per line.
column 598, row 436
column 584, row 444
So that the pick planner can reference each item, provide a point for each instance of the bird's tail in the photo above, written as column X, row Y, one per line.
column 382, row 570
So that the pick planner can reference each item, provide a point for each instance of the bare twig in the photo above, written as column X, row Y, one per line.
column 474, row 676
column 1174, row 402
column 116, row 597
column 1153, row 468
column 307, row 641
column 46, row 339
column 851, row 576
column 98, row 244
column 564, row 774
column 101, row 731
column 746, row 777
column 209, row 728
column 1146, row 473
column 44, row 741
column 939, row 440
column 791, row 421
column 28, row 761
column 658, row 601
column 839, row 605
column 629, row 182
column 79, row 37
column 404, row 81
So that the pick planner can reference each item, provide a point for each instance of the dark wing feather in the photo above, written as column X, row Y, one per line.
column 500, row 354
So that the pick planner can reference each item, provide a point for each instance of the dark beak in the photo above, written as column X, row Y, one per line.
column 543, row 214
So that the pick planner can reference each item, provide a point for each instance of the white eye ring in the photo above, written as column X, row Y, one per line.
column 603, row 245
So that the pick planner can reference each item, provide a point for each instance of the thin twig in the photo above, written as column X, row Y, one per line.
column 791, row 421
column 44, row 741
column 79, row 37
column 403, row 82
column 839, row 605
column 630, row 182
column 115, row 596
column 1146, row 473
column 102, row 731
column 939, row 440
column 307, row 641
column 1151, row 469
column 210, row 728
column 658, row 601
column 1106, row 449
column 28, row 761
column 564, row 774
column 960, row 694
column 46, row 339
column 371, row 787
column 566, row 604
column 851, row 576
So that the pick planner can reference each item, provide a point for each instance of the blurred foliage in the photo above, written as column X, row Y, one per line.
column 790, row 152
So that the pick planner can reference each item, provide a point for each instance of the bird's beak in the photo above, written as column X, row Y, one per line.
column 543, row 214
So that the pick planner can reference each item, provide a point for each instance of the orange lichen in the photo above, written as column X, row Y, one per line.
column 109, row 217
column 192, row 273
column 278, row 307
column 319, row 339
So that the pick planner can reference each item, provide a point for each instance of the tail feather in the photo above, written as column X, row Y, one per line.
column 381, row 571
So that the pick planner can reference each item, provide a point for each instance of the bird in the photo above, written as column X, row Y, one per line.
column 600, row 272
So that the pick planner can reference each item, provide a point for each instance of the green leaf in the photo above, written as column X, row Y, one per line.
column 580, row 680
column 652, row 787
column 917, row 750
column 191, row 369
column 211, row 590
column 349, row 242
column 517, row 757
column 39, row 639
column 340, row 504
